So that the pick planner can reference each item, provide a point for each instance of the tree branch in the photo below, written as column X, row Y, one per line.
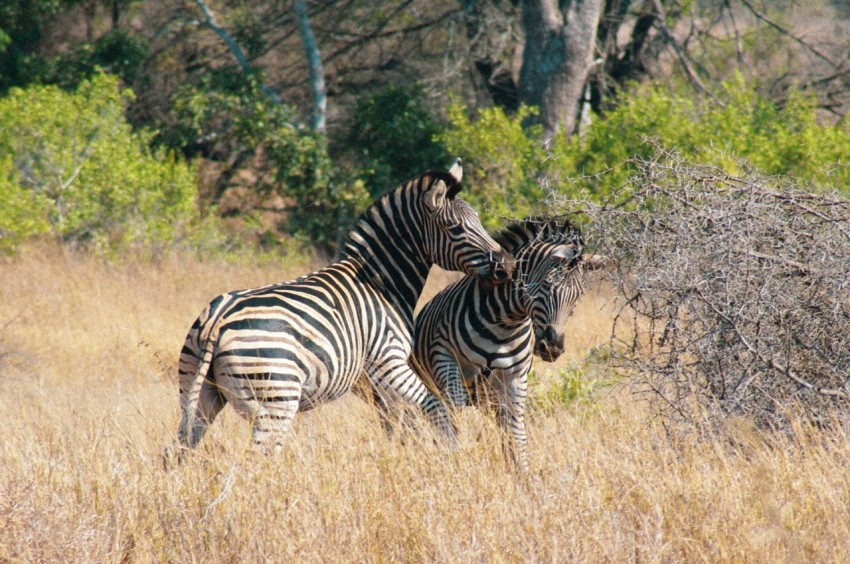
column 314, row 62
column 787, row 33
column 210, row 22
column 680, row 51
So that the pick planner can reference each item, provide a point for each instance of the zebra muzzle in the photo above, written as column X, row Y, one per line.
column 549, row 345
column 503, row 266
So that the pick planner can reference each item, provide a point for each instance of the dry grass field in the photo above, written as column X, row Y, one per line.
column 88, row 356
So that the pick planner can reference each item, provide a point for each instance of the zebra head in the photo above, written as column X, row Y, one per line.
column 548, row 279
column 455, row 238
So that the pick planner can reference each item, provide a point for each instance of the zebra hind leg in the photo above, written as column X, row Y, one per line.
column 210, row 404
column 369, row 394
column 272, row 423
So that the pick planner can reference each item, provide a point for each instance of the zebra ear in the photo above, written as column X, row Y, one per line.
column 435, row 197
column 457, row 170
column 564, row 253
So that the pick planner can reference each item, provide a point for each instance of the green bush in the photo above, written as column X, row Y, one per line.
column 23, row 213
column 231, row 115
column 74, row 167
column 502, row 160
column 735, row 124
column 116, row 52
column 396, row 137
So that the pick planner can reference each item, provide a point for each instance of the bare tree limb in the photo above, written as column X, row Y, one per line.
column 314, row 63
column 679, row 50
column 210, row 22
column 753, row 10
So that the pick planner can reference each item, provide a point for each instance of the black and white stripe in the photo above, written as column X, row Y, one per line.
column 275, row 350
column 478, row 334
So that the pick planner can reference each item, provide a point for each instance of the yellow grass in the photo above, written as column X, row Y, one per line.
column 87, row 371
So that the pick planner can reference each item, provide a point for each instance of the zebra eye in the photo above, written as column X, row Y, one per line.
column 455, row 229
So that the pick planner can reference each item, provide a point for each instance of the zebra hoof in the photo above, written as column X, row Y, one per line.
column 172, row 456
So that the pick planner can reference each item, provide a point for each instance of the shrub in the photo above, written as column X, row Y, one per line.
column 23, row 213
column 738, row 124
column 77, row 169
column 396, row 137
column 508, row 162
column 231, row 117
column 115, row 52
column 502, row 160
column 739, row 288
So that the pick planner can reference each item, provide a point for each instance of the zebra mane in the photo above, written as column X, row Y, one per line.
column 369, row 215
column 426, row 179
column 516, row 235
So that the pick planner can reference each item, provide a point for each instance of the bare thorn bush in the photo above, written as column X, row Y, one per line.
column 737, row 287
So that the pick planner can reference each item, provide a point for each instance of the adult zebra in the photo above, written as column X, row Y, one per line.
column 275, row 350
column 473, row 334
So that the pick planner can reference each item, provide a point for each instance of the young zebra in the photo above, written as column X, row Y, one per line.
column 275, row 350
column 473, row 333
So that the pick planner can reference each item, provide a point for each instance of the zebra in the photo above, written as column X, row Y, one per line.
column 473, row 333
column 282, row 348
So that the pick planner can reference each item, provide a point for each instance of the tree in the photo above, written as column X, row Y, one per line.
column 559, row 42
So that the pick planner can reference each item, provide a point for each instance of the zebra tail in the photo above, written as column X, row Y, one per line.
column 187, row 433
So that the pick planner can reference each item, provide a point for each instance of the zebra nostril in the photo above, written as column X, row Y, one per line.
column 503, row 262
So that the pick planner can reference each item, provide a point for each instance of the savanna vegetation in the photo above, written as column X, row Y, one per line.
column 88, row 405
column 153, row 155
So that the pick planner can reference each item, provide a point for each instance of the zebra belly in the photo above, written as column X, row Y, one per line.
column 255, row 370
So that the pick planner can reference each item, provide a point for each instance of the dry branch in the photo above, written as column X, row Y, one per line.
column 740, row 286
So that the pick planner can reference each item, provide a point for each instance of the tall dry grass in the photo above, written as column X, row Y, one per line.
column 87, row 372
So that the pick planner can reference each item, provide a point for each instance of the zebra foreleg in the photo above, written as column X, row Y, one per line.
column 511, row 393
column 396, row 378
column 448, row 377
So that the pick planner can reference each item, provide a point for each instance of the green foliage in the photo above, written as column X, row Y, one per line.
column 115, row 52
column 556, row 389
column 573, row 385
column 20, row 31
column 395, row 134
column 736, row 124
column 23, row 213
column 76, row 168
column 21, row 61
column 502, row 160
column 230, row 115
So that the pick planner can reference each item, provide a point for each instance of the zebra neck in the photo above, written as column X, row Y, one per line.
column 504, row 302
column 391, row 263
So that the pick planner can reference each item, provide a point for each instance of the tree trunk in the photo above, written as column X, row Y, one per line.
column 314, row 62
column 559, row 44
